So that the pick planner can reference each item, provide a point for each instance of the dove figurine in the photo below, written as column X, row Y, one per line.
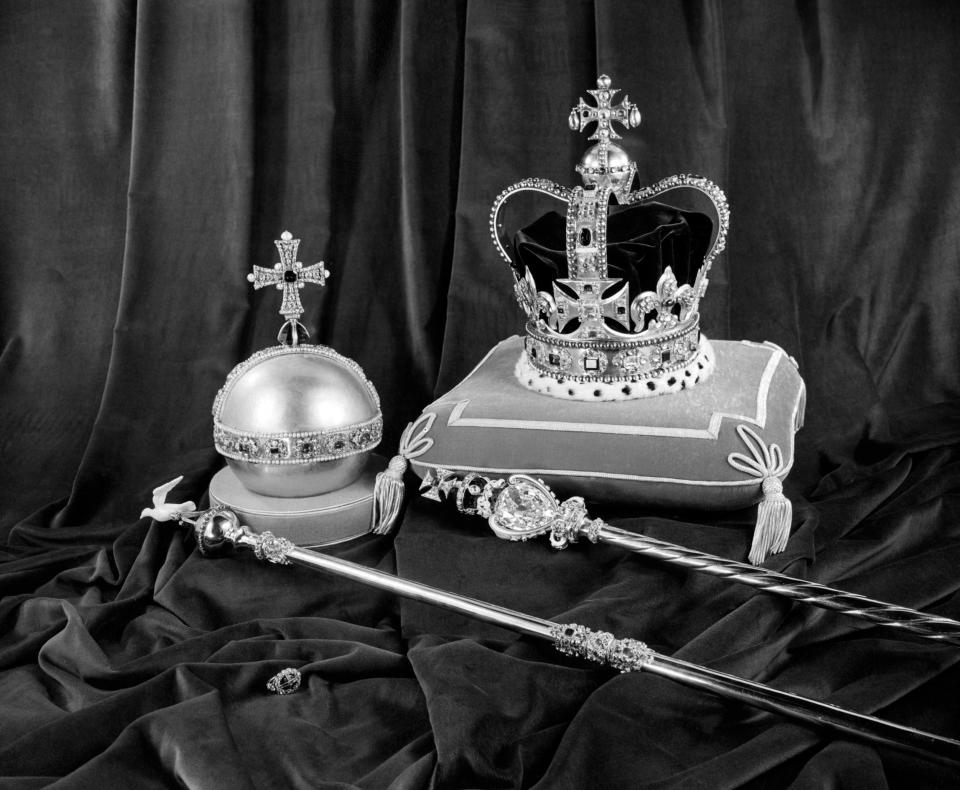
column 164, row 511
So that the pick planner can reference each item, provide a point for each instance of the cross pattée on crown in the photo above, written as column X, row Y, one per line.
column 289, row 276
column 590, row 306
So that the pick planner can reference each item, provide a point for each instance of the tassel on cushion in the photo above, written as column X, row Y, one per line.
column 388, row 489
column 774, row 518
column 774, row 513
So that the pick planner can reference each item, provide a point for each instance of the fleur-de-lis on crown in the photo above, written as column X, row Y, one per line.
column 663, row 301
column 539, row 306
column 525, row 290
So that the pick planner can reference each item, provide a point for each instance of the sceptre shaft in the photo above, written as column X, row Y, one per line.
column 522, row 507
column 218, row 530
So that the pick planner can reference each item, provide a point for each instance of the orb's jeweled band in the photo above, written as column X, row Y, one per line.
column 298, row 448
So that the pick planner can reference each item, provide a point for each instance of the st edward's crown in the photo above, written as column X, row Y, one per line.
column 606, row 316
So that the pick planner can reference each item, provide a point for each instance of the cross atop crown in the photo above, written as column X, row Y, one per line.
column 289, row 276
column 604, row 114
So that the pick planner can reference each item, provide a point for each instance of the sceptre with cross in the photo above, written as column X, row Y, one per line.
column 289, row 276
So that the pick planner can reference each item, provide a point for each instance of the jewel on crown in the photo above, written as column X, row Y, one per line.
column 594, row 331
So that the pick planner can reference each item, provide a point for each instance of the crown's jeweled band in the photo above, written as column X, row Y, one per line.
column 296, row 447
column 626, row 359
column 624, row 655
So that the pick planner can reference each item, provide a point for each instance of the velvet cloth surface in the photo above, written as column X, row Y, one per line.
column 152, row 151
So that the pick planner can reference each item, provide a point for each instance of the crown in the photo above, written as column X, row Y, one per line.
column 607, row 317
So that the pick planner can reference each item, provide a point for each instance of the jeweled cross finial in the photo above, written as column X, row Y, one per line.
column 604, row 114
column 289, row 276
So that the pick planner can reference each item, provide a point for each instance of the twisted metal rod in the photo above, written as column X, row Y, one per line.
column 943, row 629
column 523, row 507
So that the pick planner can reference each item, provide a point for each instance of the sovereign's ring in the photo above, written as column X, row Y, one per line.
column 286, row 681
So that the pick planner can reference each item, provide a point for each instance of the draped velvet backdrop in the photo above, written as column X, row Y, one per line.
column 151, row 151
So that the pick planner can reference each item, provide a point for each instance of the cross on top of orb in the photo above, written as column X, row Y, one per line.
column 604, row 114
column 289, row 276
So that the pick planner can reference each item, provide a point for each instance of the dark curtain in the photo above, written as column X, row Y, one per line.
column 151, row 151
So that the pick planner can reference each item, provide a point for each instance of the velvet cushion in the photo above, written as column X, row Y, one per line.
column 691, row 448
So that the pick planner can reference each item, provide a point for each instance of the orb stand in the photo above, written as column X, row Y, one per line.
column 320, row 520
